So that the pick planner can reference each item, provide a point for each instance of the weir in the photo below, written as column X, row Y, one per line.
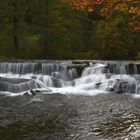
column 64, row 76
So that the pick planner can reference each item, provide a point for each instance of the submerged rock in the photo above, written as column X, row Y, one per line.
column 97, row 85
column 32, row 92
column 26, row 94
column 122, row 86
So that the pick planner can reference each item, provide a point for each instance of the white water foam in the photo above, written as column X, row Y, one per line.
column 94, row 80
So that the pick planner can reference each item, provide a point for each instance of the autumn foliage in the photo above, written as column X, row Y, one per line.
column 106, row 7
column 70, row 29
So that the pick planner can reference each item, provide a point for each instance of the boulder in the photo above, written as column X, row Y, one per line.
column 122, row 86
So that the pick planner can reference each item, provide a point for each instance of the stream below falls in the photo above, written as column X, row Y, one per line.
column 70, row 100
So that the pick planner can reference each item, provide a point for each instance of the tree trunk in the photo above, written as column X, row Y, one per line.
column 15, row 33
column 15, row 24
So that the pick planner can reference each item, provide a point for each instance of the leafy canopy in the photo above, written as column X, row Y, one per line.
column 106, row 7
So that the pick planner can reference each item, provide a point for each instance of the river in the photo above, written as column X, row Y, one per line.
column 87, row 100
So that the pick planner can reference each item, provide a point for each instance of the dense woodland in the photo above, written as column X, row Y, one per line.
column 69, row 29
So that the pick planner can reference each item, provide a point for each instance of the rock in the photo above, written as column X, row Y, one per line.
column 97, row 85
column 138, row 68
column 32, row 92
column 120, row 86
column 110, row 89
column 108, row 75
column 111, row 110
column 79, row 69
column 26, row 94
column 111, row 68
column 131, row 68
column 38, row 91
column 120, row 91
column 33, row 77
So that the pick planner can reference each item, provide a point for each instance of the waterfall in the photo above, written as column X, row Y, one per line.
column 98, row 76
column 101, row 76
column 16, row 88
column 49, row 74
column 123, row 68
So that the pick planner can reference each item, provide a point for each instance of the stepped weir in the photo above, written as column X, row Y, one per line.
column 71, row 76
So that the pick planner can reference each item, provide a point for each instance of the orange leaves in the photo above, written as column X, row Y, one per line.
column 133, row 6
column 84, row 4
column 79, row 4
column 104, row 7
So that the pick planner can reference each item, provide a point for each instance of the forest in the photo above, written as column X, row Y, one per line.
column 70, row 29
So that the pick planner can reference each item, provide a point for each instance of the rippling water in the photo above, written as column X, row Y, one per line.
column 94, row 103
column 61, row 117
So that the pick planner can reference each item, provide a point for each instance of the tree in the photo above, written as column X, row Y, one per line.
column 12, row 20
column 115, row 39
column 51, row 29
column 105, row 7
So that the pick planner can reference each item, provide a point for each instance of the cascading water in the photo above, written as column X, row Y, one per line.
column 39, row 75
column 16, row 88
column 109, row 77
column 62, row 77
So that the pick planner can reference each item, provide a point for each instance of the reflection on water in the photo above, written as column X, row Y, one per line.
column 61, row 117
column 121, row 126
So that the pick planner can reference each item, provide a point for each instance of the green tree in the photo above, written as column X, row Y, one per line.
column 115, row 40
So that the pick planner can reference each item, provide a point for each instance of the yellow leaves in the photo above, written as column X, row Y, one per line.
column 134, row 10
column 105, row 11
column 122, row 7
column 105, row 7
column 90, row 8
column 82, row 4
column 136, row 18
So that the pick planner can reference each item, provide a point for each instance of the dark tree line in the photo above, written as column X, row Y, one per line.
column 51, row 29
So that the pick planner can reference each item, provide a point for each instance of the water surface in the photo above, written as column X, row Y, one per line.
column 72, row 117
